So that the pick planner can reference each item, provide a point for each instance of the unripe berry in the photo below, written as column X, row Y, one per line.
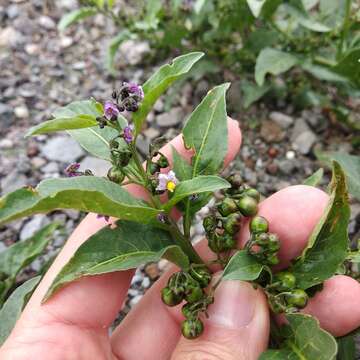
column 192, row 328
column 210, row 224
column 201, row 274
column 248, row 206
column 153, row 168
column 274, row 242
column 169, row 297
column 163, row 162
column 253, row 193
column 115, row 175
column 188, row 312
column 235, row 180
column 272, row 259
column 259, row 224
column 232, row 223
column 297, row 297
column 227, row 206
column 286, row 281
column 194, row 294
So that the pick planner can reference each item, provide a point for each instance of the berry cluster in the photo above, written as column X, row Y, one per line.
column 239, row 201
column 283, row 296
column 189, row 286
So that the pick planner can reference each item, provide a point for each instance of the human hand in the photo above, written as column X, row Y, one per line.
column 74, row 323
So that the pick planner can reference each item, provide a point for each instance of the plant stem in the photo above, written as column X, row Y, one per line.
column 344, row 30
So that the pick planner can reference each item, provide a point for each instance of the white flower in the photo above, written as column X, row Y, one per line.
column 167, row 181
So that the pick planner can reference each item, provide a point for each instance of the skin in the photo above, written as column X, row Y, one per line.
column 74, row 323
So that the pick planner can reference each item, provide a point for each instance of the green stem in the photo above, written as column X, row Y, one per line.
column 344, row 30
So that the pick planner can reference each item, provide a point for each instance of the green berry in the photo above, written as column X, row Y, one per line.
column 188, row 312
column 253, row 193
column 259, row 224
column 115, row 175
column 272, row 259
column 169, row 297
column 210, row 224
column 124, row 157
column 201, row 274
column 228, row 242
column 248, row 206
column 297, row 297
column 276, row 306
column 286, row 281
column 192, row 328
column 194, row 294
column 163, row 162
column 232, row 223
column 227, row 206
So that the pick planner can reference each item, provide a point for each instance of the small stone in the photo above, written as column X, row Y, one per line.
column 137, row 279
column 50, row 168
column 152, row 271
column 3, row 247
column 46, row 22
column 135, row 300
column 9, row 37
column 273, row 152
column 32, row 49
column 290, row 155
column 151, row 133
column 32, row 149
column 99, row 167
column 63, row 149
column 174, row 117
column 134, row 51
column 287, row 167
column 142, row 144
column 6, row 144
column 163, row 264
column 37, row 162
column 36, row 265
column 272, row 168
column 302, row 137
column 283, row 120
column 34, row 225
column 72, row 214
column 271, row 132
column 21, row 112
column 12, row 181
column 146, row 283
column 159, row 105
column 66, row 41
column 79, row 65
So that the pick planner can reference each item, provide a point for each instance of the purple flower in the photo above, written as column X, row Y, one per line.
column 128, row 134
column 167, row 181
column 162, row 218
column 105, row 217
column 136, row 90
column 111, row 110
column 72, row 170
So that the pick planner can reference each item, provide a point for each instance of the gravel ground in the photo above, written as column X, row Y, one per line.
column 42, row 69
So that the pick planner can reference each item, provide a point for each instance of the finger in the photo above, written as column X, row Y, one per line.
column 337, row 305
column 72, row 303
column 293, row 231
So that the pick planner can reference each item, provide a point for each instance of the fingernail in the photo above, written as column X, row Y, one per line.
column 234, row 305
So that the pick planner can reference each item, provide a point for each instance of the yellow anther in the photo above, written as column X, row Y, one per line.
column 171, row 186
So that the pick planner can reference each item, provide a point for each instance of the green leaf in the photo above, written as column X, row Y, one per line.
column 151, row 19
column 347, row 348
column 256, row 6
column 181, row 167
column 82, row 107
column 14, row 305
column 159, row 82
column 315, row 178
column 113, row 47
column 242, row 266
column 351, row 166
column 253, row 92
column 323, row 73
column 349, row 66
column 22, row 253
column 95, row 140
column 274, row 62
column 304, row 340
column 75, row 16
column 206, row 132
column 86, row 193
column 328, row 243
column 196, row 185
column 125, row 247
column 59, row 124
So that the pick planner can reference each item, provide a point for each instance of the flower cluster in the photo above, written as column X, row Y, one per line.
column 72, row 170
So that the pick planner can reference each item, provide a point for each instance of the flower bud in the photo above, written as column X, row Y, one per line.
column 286, row 281
column 259, row 224
column 235, row 180
column 227, row 206
column 192, row 328
column 273, row 242
column 169, row 297
column 201, row 274
column 297, row 297
column 124, row 157
column 232, row 223
column 248, row 206
column 115, row 175
column 194, row 294
column 276, row 306
column 153, row 168
column 272, row 259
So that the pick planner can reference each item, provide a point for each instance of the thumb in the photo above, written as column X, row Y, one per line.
column 237, row 328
